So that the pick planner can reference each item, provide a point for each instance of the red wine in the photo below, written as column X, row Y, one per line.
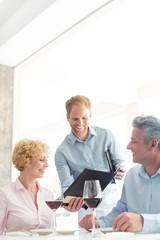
column 54, row 204
column 92, row 202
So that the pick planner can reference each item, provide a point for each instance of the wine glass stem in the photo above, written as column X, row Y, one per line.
column 93, row 221
column 54, row 220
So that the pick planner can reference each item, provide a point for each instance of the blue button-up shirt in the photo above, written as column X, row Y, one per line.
column 140, row 194
column 73, row 155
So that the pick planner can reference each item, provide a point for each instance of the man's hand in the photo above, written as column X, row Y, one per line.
column 86, row 222
column 74, row 204
column 120, row 174
column 128, row 222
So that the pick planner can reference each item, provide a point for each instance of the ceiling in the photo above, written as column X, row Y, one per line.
column 26, row 26
column 110, row 47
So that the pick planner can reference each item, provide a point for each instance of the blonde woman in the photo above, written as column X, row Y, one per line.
column 22, row 203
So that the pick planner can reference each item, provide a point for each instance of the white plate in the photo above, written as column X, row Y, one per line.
column 42, row 231
column 66, row 231
column 17, row 233
column 104, row 230
column 120, row 234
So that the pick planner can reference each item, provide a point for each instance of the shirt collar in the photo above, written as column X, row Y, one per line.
column 74, row 139
column 144, row 174
column 19, row 185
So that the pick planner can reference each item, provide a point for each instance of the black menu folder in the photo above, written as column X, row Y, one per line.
column 76, row 188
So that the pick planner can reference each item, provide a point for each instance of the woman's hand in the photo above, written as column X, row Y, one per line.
column 74, row 204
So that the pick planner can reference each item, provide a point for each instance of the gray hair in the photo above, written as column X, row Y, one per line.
column 150, row 126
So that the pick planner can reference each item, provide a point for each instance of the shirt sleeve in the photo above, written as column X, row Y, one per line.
column 63, row 170
column 3, row 212
column 151, row 223
column 115, row 148
column 107, row 221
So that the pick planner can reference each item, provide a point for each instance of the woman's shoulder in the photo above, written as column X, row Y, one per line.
column 6, row 190
column 8, row 187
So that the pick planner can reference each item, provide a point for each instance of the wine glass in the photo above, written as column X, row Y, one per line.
column 54, row 205
column 92, row 195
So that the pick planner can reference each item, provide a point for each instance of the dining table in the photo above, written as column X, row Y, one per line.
column 80, row 235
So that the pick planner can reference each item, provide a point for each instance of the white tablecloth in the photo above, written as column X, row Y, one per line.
column 81, row 235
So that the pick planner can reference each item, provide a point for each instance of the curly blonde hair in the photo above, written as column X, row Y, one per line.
column 25, row 149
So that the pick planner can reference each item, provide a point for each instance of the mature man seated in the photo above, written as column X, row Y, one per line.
column 139, row 206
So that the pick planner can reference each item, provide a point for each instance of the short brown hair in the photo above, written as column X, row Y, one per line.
column 76, row 100
column 25, row 149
